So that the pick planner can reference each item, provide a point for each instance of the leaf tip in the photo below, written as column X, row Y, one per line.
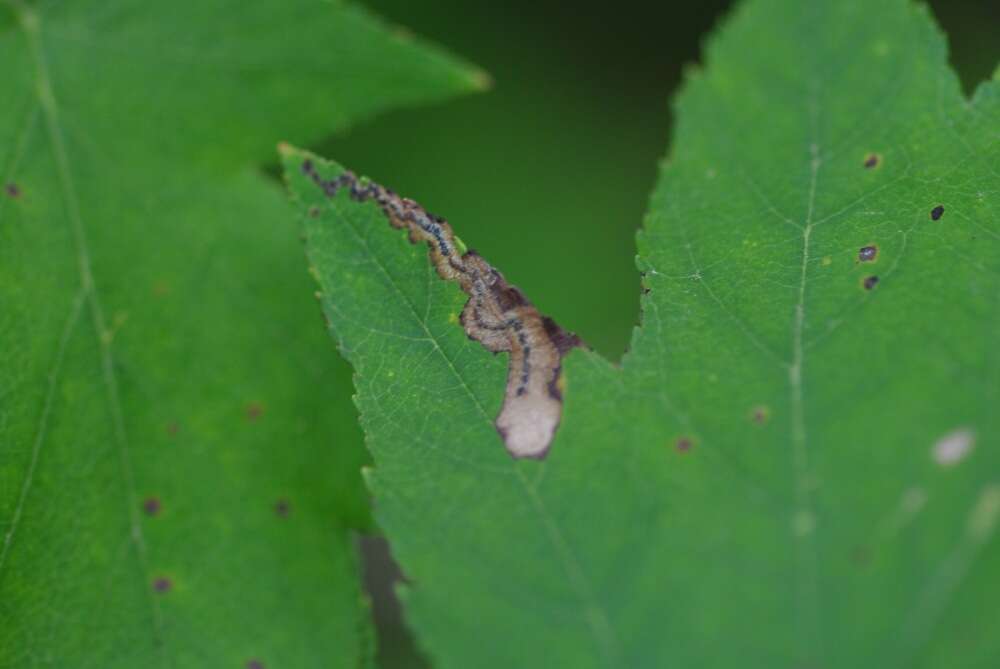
column 481, row 80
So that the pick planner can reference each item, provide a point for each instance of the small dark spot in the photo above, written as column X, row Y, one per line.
column 872, row 160
column 937, row 212
column 12, row 190
column 254, row 411
column 684, row 444
column 254, row 664
column 867, row 253
column 162, row 584
column 313, row 212
column 151, row 505
column 861, row 555
column 172, row 429
column 870, row 282
column 760, row 414
column 282, row 508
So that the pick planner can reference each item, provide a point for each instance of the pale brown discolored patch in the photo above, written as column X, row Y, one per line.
column 497, row 315
column 954, row 447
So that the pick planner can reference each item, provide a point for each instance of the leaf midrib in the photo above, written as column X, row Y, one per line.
column 30, row 23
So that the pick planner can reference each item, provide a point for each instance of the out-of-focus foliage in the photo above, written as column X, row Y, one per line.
column 178, row 456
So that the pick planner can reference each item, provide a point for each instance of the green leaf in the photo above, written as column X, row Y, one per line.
column 796, row 464
column 178, row 458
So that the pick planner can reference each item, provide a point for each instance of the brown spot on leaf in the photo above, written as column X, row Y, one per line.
column 162, row 584
column 760, row 414
column 254, row 411
column 151, row 505
column 868, row 253
column 861, row 555
column 172, row 429
column 161, row 288
column 684, row 444
column 872, row 160
column 937, row 212
column 282, row 508
column 12, row 190
column 254, row 664
column 313, row 212
column 870, row 282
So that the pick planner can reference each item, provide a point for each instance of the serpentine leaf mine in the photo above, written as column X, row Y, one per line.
column 497, row 315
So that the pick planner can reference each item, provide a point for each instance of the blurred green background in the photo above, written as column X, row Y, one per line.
column 547, row 174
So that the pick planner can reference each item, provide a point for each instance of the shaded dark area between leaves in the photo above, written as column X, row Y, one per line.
column 581, row 105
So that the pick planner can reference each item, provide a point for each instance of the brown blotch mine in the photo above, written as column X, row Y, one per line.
column 162, row 584
column 870, row 282
column 497, row 315
column 684, row 444
column 282, row 508
column 872, row 160
column 937, row 212
column 152, row 506
column 868, row 253
column 12, row 190
column 254, row 411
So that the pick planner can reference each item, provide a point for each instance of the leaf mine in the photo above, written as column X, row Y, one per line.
column 497, row 315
